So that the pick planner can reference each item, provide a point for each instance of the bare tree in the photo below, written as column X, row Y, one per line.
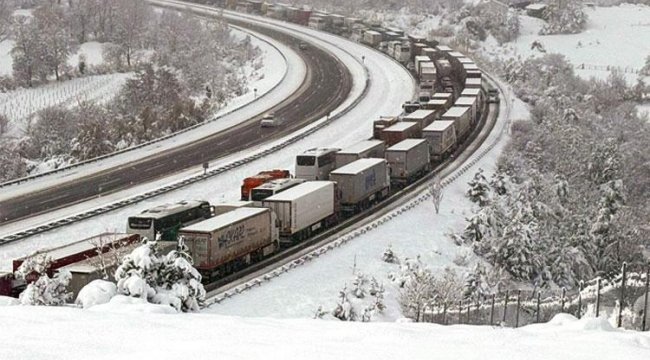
column 435, row 190
column 55, row 37
column 26, row 52
column 130, row 31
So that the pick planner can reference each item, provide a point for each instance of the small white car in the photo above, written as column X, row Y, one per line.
column 268, row 120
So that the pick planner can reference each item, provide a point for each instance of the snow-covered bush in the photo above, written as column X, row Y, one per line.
column 47, row 291
column 362, row 302
column 161, row 279
column 479, row 189
column 389, row 256
column 97, row 292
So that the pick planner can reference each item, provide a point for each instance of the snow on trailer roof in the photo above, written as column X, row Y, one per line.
column 444, row 48
column 372, row 32
column 221, row 221
column 278, row 183
column 465, row 60
column 456, row 111
column 79, row 246
column 470, row 92
column 299, row 191
column 465, row 101
column 457, row 54
column 441, row 95
column 439, row 125
column 471, row 66
column 357, row 166
column 401, row 126
column 437, row 102
column 361, row 146
column 406, row 145
column 166, row 209
column 419, row 114
column 427, row 64
column 473, row 81
column 534, row 7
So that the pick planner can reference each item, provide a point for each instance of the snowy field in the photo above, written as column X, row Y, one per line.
column 616, row 36
column 145, row 331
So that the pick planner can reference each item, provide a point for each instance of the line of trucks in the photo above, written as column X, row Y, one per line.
column 277, row 209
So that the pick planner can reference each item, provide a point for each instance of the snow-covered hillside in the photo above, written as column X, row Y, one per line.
column 144, row 331
column 616, row 36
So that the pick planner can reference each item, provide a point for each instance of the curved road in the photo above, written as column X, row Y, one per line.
column 327, row 85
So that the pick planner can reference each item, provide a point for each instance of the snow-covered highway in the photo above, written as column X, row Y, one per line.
column 389, row 86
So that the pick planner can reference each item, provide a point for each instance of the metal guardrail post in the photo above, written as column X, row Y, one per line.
column 539, row 300
column 579, row 314
column 598, row 298
column 505, row 308
column 621, row 304
column 492, row 310
column 645, row 300
column 518, row 304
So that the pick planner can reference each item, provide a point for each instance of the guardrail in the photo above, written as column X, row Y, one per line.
column 193, row 179
column 151, row 142
column 421, row 196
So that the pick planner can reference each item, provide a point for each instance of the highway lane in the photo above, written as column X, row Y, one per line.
column 326, row 86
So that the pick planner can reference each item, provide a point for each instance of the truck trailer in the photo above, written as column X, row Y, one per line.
column 304, row 209
column 408, row 160
column 361, row 183
column 460, row 115
column 401, row 131
column 441, row 137
column 225, row 243
column 361, row 150
column 422, row 117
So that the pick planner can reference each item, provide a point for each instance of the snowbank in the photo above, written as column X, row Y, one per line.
column 121, row 304
column 97, row 292
column 8, row 301
column 70, row 333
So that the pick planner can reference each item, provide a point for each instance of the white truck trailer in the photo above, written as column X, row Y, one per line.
column 460, row 115
column 441, row 137
column 408, row 160
column 472, row 103
column 304, row 209
column 361, row 183
column 361, row 150
column 224, row 243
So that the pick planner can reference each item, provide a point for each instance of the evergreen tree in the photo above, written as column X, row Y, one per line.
column 344, row 310
column 389, row 256
column 479, row 189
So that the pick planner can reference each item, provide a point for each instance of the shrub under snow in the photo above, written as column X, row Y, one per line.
column 95, row 293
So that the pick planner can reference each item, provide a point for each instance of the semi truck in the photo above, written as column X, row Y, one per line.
column 361, row 183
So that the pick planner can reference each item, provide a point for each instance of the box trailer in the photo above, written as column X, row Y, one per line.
column 304, row 209
column 437, row 105
column 271, row 188
column 401, row 131
column 372, row 38
column 78, row 251
column 441, row 137
column 446, row 96
column 408, row 160
column 478, row 74
column 428, row 73
column 361, row 150
column 472, row 103
column 474, row 92
column 361, row 183
column 443, row 66
column 422, row 117
column 239, row 236
column 418, row 49
column 473, row 83
column 419, row 59
column 460, row 115
column 384, row 122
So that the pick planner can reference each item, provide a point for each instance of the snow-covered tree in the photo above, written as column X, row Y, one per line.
column 344, row 310
column 130, row 29
column 479, row 189
column 170, row 279
column 389, row 256
column 645, row 71
column 27, row 51
column 55, row 37
column 564, row 17
column 45, row 290
column 6, row 9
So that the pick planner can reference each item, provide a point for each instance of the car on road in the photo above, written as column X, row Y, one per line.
column 302, row 46
column 269, row 120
